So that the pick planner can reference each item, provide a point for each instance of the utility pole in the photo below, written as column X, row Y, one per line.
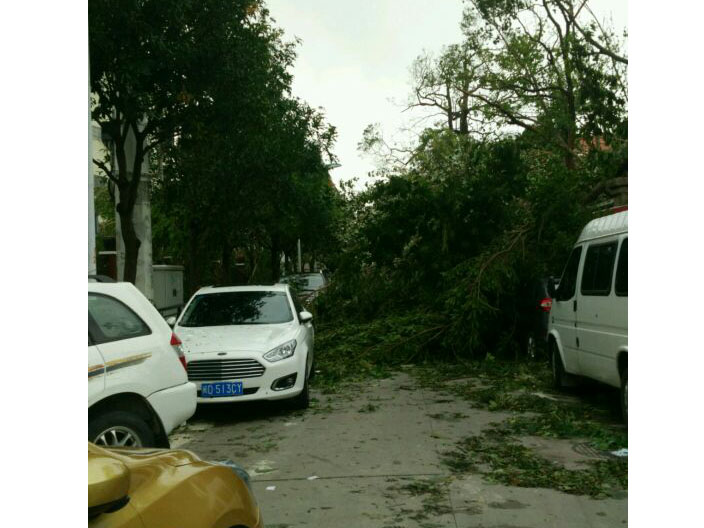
column 300, row 269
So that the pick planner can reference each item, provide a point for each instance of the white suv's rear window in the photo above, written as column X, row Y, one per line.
column 113, row 319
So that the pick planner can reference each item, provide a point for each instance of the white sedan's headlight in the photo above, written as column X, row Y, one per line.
column 281, row 352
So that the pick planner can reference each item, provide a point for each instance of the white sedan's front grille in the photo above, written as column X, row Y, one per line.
column 224, row 369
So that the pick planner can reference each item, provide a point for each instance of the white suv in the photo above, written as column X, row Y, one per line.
column 247, row 343
column 138, row 391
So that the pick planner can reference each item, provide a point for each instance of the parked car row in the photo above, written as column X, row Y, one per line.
column 145, row 378
column 229, row 344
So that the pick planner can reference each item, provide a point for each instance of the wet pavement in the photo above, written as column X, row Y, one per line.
column 372, row 457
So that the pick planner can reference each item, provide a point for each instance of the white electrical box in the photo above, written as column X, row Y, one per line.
column 167, row 283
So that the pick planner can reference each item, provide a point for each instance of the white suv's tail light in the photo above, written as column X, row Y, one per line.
column 176, row 344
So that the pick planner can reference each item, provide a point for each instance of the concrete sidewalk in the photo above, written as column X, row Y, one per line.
column 372, row 458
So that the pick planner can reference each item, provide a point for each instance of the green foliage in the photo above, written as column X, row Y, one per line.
column 458, row 235
column 238, row 163
column 513, row 464
column 524, row 390
column 104, row 209
column 492, row 198
column 353, row 351
column 155, row 69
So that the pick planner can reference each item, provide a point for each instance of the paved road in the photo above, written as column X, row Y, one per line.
column 372, row 458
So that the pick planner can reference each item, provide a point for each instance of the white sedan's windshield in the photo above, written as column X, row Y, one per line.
column 238, row 308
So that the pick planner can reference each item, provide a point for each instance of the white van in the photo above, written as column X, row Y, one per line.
column 588, row 327
column 138, row 390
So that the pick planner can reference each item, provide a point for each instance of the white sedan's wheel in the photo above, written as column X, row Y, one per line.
column 302, row 401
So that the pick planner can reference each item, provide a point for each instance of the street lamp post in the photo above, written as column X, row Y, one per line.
column 299, row 256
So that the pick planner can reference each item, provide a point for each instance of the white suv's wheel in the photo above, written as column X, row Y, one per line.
column 120, row 429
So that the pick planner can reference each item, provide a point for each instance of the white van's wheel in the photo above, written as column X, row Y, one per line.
column 624, row 394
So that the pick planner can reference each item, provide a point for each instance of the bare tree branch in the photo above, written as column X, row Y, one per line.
column 104, row 167
column 603, row 50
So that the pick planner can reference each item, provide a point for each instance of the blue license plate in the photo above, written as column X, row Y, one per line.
column 221, row 390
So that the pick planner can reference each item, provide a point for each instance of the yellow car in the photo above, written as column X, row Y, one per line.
column 154, row 488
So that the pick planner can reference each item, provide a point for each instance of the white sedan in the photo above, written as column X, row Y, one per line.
column 246, row 343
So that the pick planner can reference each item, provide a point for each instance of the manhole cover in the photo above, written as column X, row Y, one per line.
column 589, row 451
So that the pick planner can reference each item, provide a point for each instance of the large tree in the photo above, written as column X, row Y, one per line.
column 248, row 166
column 530, row 120
column 152, row 64
column 544, row 67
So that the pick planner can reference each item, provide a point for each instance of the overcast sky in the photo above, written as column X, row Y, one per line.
column 355, row 59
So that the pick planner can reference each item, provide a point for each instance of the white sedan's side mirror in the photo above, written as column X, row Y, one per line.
column 305, row 317
column 171, row 321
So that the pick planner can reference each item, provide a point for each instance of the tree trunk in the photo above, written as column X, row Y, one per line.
column 253, row 265
column 464, row 103
column 570, row 160
column 129, row 236
column 193, row 270
column 449, row 107
column 464, row 114
column 226, row 264
column 251, row 255
column 275, row 258
column 445, row 238
column 128, row 185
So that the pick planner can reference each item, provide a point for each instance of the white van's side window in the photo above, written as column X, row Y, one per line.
column 598, row 269
column 568, row 282
column 622, row 270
